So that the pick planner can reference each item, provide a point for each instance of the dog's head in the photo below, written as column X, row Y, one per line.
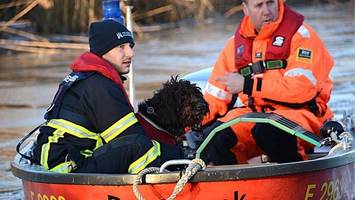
column 177, row 106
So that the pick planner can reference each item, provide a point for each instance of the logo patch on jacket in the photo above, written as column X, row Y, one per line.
column 70, row 78
column 304, row 55
column 240, row 51
column 258, row 55
column 278, row 41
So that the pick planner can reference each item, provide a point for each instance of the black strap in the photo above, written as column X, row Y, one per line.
column 70, row 80
column 262, row 66
column 251, row 104
column 18, row 146
column 233, row 101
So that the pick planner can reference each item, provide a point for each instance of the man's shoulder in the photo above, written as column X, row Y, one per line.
column 229, row 46
column 306, row 31
column 95, row 83
column 230, row 40
column 97, row 79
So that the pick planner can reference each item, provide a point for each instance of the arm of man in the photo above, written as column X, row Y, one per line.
column 109, row 109
column 113, row 117
column 216, row 92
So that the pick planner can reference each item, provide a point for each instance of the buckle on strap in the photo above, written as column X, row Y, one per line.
column 261, row 67
column 275, row 64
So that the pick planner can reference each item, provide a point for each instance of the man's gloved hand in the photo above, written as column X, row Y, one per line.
column 194, row 139
column 189, row 153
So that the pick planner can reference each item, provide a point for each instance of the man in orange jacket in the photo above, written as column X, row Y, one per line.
column 274, row 63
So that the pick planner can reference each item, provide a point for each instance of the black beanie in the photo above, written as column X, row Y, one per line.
column 106, row 35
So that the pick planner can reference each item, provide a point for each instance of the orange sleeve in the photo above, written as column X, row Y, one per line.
column 215, row 93
column 305, row 76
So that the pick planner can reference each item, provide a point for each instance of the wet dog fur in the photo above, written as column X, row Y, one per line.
column 176, row 106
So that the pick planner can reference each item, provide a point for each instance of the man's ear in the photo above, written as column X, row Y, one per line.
column 245, row 9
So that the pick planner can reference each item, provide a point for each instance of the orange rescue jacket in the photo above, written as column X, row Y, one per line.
column 305, row 77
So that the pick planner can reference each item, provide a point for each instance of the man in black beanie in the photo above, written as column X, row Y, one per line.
column 91, row 125
column 112, row 41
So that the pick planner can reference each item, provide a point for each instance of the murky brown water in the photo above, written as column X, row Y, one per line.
column 28, row 82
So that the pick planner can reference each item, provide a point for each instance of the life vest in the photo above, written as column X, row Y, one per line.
column 278, row 49
column 55, row 110
column 88, row 62
column 83, row 67
column 277, row 52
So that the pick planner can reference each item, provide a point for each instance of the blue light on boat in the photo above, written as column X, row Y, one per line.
column 111, row 10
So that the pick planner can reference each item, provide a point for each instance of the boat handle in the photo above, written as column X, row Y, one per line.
column 174, row 162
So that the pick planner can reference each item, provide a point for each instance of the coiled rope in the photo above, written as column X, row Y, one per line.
column 195, row 165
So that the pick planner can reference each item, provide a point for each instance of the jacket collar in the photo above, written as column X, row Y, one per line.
column 91, row 62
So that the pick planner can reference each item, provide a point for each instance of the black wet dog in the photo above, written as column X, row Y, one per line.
column 174, row 108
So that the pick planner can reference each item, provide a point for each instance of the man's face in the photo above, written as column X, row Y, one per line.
column 120, row 57
column 261, row 12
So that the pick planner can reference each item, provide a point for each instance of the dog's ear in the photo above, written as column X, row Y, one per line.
column 195, row 107
column 165, row 106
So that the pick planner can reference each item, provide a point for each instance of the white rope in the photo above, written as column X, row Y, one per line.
column 191, row 170
column 138, row 180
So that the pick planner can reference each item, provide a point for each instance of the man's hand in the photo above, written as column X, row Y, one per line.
column 233, row 81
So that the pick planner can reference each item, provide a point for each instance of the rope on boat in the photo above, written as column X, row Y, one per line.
column 138, row 179
column 190, row 171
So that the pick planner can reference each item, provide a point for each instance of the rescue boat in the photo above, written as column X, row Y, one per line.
column 328, row 174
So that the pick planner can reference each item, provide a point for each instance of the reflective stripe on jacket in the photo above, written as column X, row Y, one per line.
column 305, row 76
column 146, row 159
column 92, row 112
column 66, row 127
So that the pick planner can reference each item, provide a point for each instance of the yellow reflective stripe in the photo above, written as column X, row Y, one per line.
column 87, row 153
column 63, row 126
column 71, row 128
column 46, row 147
column 146, row 159
column 65, row 167
column 75, row 130
column 99, row 143
column 118, row 127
